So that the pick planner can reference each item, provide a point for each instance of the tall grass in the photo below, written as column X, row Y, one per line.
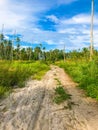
column 16, row 73
column 85, row 73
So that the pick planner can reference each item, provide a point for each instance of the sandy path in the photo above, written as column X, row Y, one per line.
column 32, row 107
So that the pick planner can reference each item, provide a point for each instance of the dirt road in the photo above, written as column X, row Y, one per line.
column 32, row 107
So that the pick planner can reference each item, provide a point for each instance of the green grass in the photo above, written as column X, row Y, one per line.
column 4, row 91
column 17, row 72
column 85, row 73
column 60, row 95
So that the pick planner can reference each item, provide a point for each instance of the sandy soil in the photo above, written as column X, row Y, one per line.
column 32, row 107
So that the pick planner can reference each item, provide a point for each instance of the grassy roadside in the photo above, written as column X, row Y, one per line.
column 17, row 72
column 85, row 73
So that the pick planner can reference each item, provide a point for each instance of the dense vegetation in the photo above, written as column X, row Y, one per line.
column 14, row 74
column 8, row 52
column 84, row 73
column 18, row 64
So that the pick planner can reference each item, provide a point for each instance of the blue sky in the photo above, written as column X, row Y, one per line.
column 50, row 22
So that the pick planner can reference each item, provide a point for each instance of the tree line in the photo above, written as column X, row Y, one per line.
column 9, row 52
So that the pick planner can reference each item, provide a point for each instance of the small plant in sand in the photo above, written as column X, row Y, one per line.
column 60, row 95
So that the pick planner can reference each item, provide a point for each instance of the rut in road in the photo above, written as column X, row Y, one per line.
column 32, row 107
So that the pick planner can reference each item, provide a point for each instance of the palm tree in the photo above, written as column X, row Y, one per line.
column 29, row 53
column 1, row 45
column 5, row 42
column 10, row 48
column 64, row 52
column 44, row 55
column 1, row 37
column 37, row 52
column 18, row 54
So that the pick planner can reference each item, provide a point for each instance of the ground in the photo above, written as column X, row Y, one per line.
column 32, row 107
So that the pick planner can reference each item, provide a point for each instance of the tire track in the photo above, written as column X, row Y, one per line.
column 32, row 107
column 33, row 123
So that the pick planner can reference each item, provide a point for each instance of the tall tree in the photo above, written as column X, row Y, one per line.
column 18, row 52
column 37, row 53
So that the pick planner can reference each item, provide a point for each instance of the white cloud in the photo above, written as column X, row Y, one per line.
column 74, row 37
column 9, row 16
column 23, row 15
column 77, row 30
column 79, row 19
column 50, row 42
column 20, row 14
column 69, row 30
column 53, row 18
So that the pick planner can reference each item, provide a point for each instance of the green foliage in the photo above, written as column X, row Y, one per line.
column 92, row 91
column 14, row 74
column 60, row 95
column 85, row 73
column 58, row 81
column 4, row 91
column 72, row 69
